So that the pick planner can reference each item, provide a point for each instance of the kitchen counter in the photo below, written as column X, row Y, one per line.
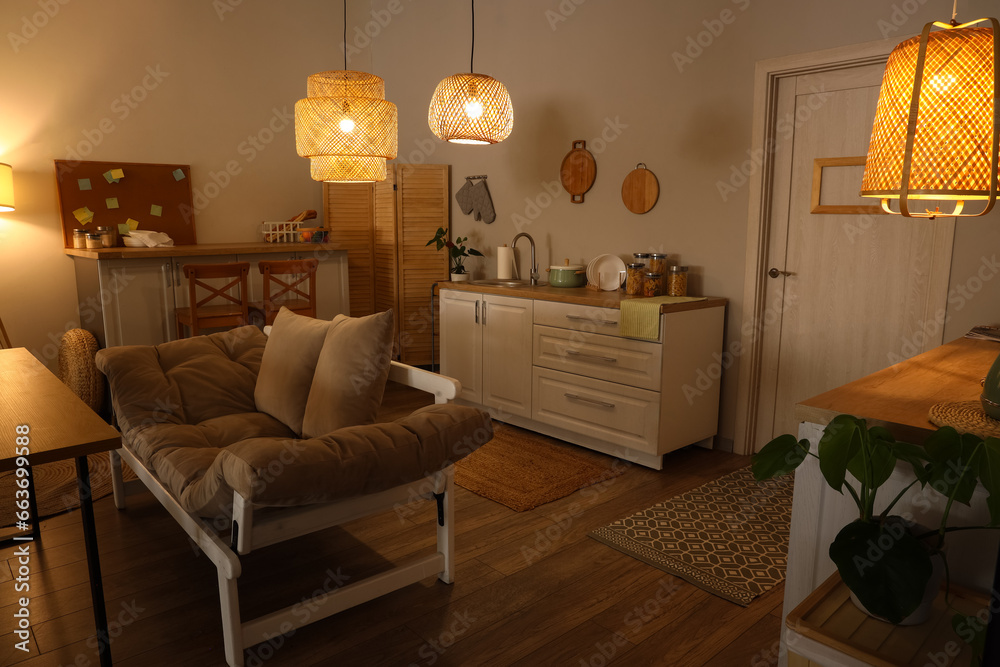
column 899, row 397
column 199, row 249
column 580, row 296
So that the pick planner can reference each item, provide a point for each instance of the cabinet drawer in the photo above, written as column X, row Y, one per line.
column 602, row 410
column 622, row 360
column 590, row 319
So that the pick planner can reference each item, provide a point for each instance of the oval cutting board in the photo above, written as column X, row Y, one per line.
column 577, row 171
column 640, row 190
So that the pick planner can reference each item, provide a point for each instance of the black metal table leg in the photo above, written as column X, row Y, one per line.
column 36, row 520
column 93, row 561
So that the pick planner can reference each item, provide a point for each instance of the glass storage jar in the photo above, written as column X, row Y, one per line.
column 651, row 285
column 93, row 240
column 107, row 240
column 658, row 264
column 79, row 238
column 633, row 278
column 677, row 281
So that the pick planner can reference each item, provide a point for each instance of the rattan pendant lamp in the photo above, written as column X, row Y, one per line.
column 935, row 132
column 345, row 126
column 471, row 108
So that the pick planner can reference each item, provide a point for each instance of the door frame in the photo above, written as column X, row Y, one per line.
column 768, row 74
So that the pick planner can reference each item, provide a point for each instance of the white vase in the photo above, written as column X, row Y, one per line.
column 459, row 277
column 923, row 612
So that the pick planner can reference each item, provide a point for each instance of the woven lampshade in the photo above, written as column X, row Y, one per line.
column 935, row 131
column 346, row 127
column 6, row 187
column 471, row 109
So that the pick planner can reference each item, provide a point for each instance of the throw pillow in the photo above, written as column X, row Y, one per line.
column 350, row 374
column 286, row 369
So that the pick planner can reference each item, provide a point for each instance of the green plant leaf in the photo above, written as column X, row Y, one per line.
column 884, row 566
column 972, row 631
column 779, row 457
column 954, row 465
column 943, row 444
column 473, row 251
column 989, row 476
column 840, row 443
column 883, row 461
column 915, row 456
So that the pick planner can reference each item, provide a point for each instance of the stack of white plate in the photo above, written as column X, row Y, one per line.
column 606, row 271
column 132, row 243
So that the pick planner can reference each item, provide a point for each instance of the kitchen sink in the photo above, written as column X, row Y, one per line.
column 496, row 282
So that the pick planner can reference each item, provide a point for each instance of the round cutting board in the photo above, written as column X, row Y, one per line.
column 640, row 190
column 577, row 171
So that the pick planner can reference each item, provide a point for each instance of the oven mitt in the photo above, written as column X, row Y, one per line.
column 483, row 203
column 464, row 197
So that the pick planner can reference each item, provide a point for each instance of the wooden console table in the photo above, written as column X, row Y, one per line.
column 60, row 426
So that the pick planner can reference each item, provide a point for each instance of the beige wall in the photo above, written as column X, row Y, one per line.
column 576, row 69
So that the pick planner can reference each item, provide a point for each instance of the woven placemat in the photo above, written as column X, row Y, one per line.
column 965, row 417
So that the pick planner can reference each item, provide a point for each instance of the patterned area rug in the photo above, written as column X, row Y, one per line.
column 729, row 537
column 522, row 469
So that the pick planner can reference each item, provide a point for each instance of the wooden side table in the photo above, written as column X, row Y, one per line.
column 54, row 424
column 827, row 629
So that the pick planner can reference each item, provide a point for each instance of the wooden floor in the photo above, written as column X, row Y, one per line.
column 532, row 589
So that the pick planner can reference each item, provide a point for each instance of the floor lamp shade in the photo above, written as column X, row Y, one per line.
column 935, row 131
column 471, row 109
column 6, row 187
column 346, row 127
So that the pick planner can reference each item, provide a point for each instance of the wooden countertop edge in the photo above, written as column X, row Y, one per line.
column 580, row 296
column 199, row 249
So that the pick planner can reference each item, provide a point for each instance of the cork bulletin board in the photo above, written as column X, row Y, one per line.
column 125, row 195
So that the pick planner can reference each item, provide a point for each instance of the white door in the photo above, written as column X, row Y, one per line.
column 861, row 291
column 507, row 325
column 462, row 342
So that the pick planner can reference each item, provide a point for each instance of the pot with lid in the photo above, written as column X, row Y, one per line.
column 567, row 275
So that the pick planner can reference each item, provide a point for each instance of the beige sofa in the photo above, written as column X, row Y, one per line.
column 226, row 428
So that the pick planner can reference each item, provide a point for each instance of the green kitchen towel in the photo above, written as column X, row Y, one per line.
column 641, row 316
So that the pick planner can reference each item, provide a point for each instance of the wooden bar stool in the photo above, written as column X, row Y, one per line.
column 202, row 313
column 287, row 290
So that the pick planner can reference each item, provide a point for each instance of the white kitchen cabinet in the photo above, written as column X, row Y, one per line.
column 565, row 370
column 131, row 301
column 486, row 345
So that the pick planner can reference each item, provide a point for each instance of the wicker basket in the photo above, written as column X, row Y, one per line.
column 280, row 232
column 77, row 369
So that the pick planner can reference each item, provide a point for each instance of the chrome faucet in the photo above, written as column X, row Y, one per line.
column 534, row 266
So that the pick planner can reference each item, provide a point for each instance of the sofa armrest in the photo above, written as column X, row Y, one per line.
column 444, row 388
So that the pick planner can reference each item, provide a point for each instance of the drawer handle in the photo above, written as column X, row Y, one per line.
column 577, row 397
column 598, row 357
column 588, row 320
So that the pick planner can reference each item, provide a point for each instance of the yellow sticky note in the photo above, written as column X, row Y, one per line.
column 132, row 224
column 117, row 174
column 84, row 215
column 156, row 210
column 112, row 202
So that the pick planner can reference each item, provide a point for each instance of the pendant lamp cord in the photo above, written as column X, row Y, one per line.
column 472, row 55
column 954, row 13
column 345, row 33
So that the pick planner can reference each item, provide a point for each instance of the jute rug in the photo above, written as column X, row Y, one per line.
column 729, row 537
column 55, row 486
column 522, row 469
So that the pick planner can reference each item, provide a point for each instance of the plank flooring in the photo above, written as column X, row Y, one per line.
column 531, row 589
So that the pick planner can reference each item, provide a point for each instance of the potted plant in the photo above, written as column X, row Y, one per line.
column 456, row 250
column 886, row 561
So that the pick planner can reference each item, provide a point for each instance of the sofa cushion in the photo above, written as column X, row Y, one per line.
column 286, row 371
column 350, row 374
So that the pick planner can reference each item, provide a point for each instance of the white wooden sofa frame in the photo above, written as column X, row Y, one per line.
column 281, row 524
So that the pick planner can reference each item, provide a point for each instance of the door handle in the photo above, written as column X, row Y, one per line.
column 598, row 357
column 775, row 272
column 594, row 401
column 477, row 312
column 484, row 313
